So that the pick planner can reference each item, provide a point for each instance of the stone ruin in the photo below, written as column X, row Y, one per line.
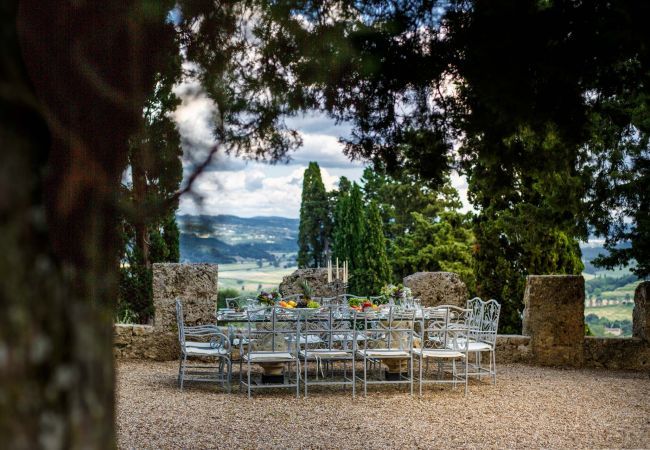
column 438, row 288
column 317, row 279
column 196, row 285
column 554, row 307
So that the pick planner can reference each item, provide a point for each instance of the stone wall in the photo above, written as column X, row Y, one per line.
column 512, row 348
column 554, row 319
column 144, row 342
column 617, row 353
column 437, row 288
column 317, row 279
column 641, row 313
column 195, row 284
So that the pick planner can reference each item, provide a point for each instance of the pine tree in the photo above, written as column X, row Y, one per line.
column 374, row 272
column 315, row 223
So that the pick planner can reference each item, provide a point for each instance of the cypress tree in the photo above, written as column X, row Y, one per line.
column 341, row 207
column 354, row 229
column 313, row 233
column 375, row 270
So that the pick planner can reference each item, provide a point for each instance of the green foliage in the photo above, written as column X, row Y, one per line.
column 441, row 244
column 596, row 325
column 306, row 289
column 315, row 224
column 149, row 230
column 597, row 285
column 547, row 99
column 374, row 270
column 223, row 294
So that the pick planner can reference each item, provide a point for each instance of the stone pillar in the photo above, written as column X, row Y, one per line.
column 641, row 313
column 194, row 284
column 437, row 288
column 554, row 308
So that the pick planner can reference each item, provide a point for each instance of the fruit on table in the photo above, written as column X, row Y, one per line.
column 293, row 303
column 313, row 304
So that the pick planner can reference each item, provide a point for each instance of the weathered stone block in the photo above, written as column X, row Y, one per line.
column 512, row 348
column 437, row 288
column 317, row 279
column 554, row 318
column 641, row 313
column 617, row 353
column 195, row 284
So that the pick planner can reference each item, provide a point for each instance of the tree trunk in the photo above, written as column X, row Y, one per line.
column 65, row 116
column 139, row 196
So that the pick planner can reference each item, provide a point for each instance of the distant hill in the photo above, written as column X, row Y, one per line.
column 227, row 239
column 591, row 250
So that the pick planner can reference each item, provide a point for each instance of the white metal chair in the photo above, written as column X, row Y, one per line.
column 484, row 323
column 206, row 341
column 327, row 341
column 386, row 335
column 271, row 334
column 239, row 302
column 443, row 337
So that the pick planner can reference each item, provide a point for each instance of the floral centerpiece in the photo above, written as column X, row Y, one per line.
column 269, row 298
column 396, row 293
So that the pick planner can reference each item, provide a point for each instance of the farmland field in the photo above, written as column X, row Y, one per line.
column 612, row 312
column 249, row 276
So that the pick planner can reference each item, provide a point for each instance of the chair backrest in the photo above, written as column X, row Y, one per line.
column 179, row 322
column 237, row 302
column 445, row 327
column 390, row 328
column 272, row 329
column 476, row 315
column 490, row 321
column 328, row 328
column 329, row 301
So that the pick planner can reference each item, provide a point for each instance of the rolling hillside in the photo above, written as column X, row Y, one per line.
column 230, row 239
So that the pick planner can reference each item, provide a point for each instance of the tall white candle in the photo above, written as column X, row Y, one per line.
column 337, row 268
column 329, row 271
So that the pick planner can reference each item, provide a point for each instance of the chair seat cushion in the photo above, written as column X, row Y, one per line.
column 438, row 353
column 201, row 351
column 325, row 353
column 473, row 346
column 385, row 353
column 197, row 344
column 308, row 339
column 347, row 337
column 268, row 356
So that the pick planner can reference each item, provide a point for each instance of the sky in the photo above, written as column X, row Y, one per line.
column 242, row 188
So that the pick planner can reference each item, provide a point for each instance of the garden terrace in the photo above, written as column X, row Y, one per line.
column 529, row 407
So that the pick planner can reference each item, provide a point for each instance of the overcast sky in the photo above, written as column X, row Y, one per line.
column 246, row 189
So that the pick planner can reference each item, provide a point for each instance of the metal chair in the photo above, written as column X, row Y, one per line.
column 386, row 336
column 238, row 302
column 484, row 323
column 270, row 334
column 327, row 340
column 206, row 341
column 443, row 337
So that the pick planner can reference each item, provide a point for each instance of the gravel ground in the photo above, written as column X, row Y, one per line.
column 529, row 407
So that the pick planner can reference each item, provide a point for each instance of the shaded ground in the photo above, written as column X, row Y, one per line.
column 529, row 407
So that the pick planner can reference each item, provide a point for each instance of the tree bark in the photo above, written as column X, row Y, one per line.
column 66, row 113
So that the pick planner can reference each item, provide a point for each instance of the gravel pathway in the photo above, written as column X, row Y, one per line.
column 529, row 407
